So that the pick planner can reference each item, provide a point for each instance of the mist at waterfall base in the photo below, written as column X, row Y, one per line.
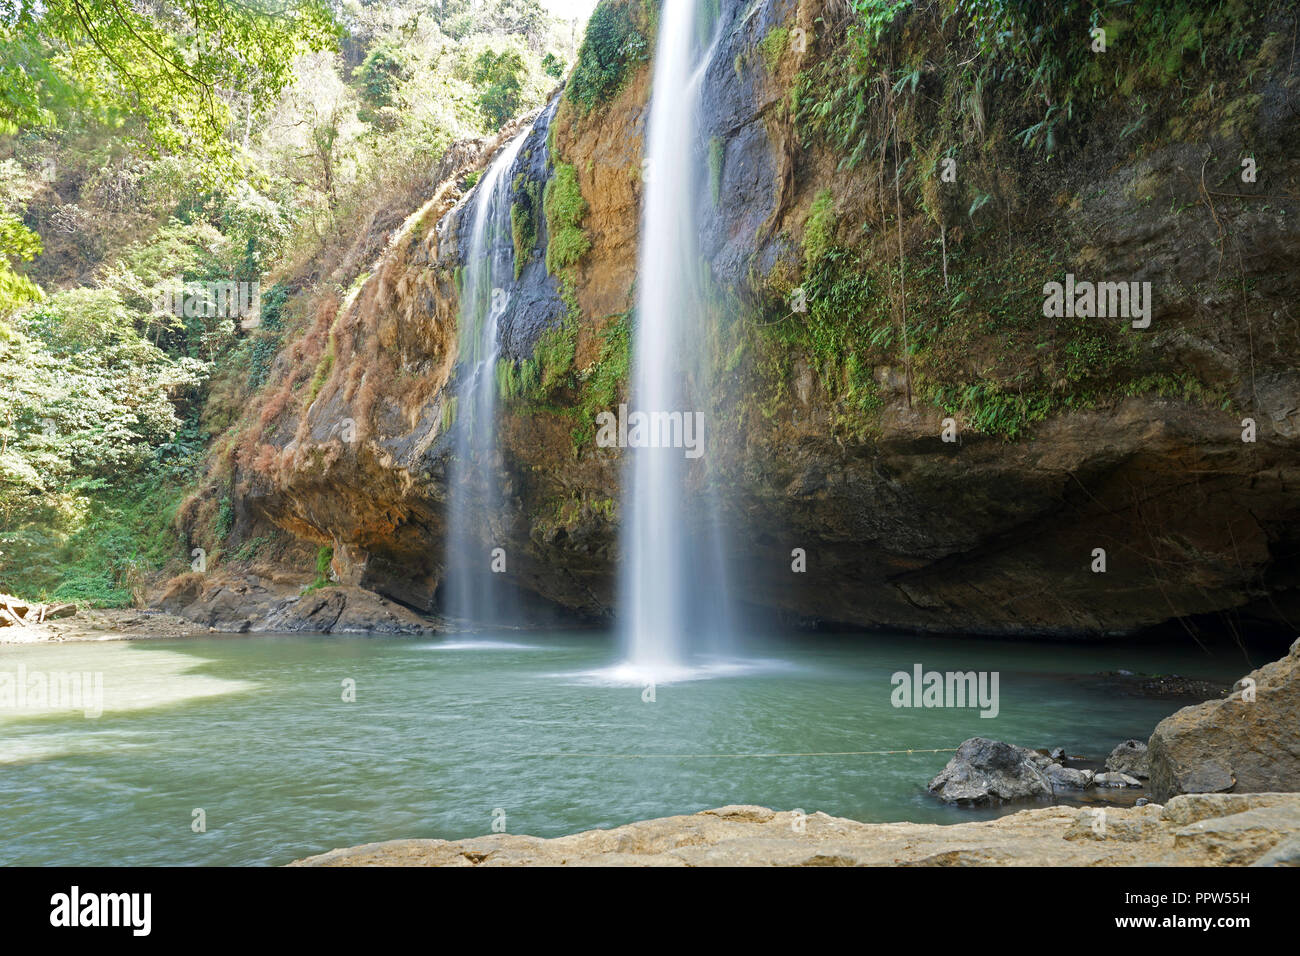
column 472, row 592
column 675, row 610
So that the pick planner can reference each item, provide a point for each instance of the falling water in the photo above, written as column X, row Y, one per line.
column 475, row 506
column 668, row 591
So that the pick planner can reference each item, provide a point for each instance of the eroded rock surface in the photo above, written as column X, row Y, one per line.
column 1201, row 830
column 1248, row 742
column 276, row 602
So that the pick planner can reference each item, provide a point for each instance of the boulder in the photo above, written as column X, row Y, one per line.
column 1131, row 758
column 1114, row 779
column 1286, row 853
column 989, row 771
column 1068, row 777
column 1246, row 743
column 241, row 603
column 1240, row 839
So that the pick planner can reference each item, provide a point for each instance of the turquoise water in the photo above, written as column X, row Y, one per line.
column 254, row 731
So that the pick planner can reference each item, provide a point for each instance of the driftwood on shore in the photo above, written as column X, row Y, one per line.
column 15, row 612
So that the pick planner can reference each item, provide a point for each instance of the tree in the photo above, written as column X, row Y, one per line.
column 17, row 243
column 182, row 69
column 502, row 76
column 379, row 75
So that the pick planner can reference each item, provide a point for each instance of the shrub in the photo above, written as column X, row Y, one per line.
column 564, row 208
column 610, row 49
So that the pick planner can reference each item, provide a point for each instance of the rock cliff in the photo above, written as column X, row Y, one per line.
column 859, row 327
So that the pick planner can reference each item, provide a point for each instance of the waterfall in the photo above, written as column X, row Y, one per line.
column 673, row 585
column 475, row 507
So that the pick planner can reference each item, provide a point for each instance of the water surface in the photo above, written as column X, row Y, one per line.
column 254, row 731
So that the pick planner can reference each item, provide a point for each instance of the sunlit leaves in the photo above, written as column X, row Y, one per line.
column 185, row 71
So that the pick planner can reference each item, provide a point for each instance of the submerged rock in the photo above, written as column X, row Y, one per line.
column 1249, row 742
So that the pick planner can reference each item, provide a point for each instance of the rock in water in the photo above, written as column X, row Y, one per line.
column 990, row 771
column 1246, row 743
column 1068, row 777
column 1131, row 758
column 1116, row 780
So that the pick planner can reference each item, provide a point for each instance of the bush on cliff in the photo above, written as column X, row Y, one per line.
column 611, row 48
column 564, row 207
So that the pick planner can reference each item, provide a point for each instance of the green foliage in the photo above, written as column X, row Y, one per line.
column 92, row 452
column 1035, row 59
column 322, row 373
column 611, row 48
column 249, row 550
column 998, row 77
column 819, row 231
column 979, row 349
column 98, row 558
column 447, row 418
column 462, row 18
column 380, row 74
column 606, row 381
column 82, row 392
column 194, row 144
column 324, row 557
column 876, row 16
column 17, row 244
column 523, row 220
column 501, row 75
column 166, row 66
column 773, row 46
column 552, row 66
column 533, row 380
column 225, row 517
column 564, row 208
column 553, row 355
column 267, row 341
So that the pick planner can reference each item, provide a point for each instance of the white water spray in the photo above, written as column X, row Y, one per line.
column 476, row 508
column 666, row 590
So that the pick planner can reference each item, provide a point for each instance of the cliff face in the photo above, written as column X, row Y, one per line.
column 828, row 427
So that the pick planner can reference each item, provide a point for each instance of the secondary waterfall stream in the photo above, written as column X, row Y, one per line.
column 673, row 598
column 475, row 494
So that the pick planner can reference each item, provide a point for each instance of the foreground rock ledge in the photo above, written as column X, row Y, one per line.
column 1190, row 830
